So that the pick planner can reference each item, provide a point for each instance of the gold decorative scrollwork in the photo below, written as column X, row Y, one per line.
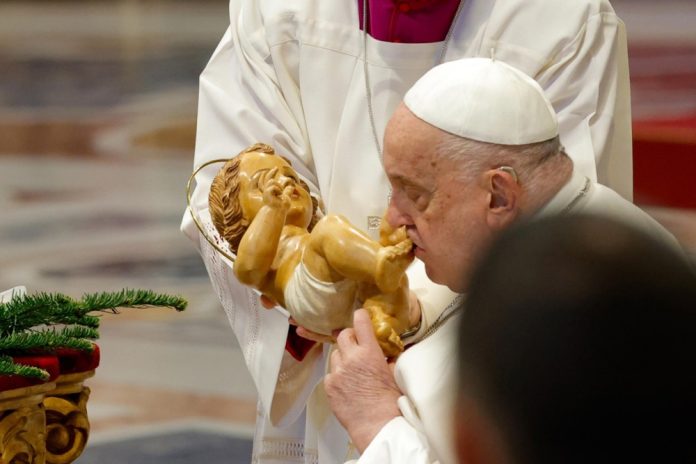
column 22, row 435
column 67, row 426
column 22, row 425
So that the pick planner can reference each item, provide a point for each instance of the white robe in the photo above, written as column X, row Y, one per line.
column 290, row 74
column 426, row 371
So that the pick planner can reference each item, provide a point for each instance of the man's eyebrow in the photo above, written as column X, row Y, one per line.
column 406, row 182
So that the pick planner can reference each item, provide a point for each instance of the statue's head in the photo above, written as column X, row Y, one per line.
column 236, row 194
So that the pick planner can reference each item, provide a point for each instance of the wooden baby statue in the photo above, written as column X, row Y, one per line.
column 320, row 270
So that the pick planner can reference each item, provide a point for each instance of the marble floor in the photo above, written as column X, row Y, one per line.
column 97, row 120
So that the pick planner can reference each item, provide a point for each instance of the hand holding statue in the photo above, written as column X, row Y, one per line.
column 360, row 384
column 319, row 269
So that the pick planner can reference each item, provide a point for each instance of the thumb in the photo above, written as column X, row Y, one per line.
column 362, row 325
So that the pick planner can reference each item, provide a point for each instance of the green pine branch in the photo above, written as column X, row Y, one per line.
column 9, row 367
column 129, row 298
column 27, row 311
column 49, row 339
column 46, row 321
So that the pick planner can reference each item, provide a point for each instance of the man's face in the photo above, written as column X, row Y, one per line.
column 445, row 216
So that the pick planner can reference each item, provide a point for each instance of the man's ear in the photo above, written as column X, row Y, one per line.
column 503, row 197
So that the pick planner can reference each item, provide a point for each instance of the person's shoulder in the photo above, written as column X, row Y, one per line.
column 282, row 21
column 603, row 197
column 605, row 201
column 582, row 10
column 306, row 9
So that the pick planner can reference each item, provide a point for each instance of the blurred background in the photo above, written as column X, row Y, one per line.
column 97, row 124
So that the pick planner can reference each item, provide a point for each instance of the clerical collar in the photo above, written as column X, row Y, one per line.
column 568, row 197
column 409, row 21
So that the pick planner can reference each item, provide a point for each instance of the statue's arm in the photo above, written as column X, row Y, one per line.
column 259, row 245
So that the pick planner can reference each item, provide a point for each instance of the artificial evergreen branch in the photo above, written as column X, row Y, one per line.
column 27, row 311
column 46, row 321
column 9, row 367
column 24, row 312
column 49, row 339
column 129, row 298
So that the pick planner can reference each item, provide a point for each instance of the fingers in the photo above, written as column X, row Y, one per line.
column 288, row 190
column 255, row 178
column 414, row 314
column 315, row 337
column 346, row 339
column 335, row 360
column 361, row 333
column 270, row 175
column 364, row 333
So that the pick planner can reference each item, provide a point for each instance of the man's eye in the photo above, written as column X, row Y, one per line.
column 412, row 194
column 418, row 197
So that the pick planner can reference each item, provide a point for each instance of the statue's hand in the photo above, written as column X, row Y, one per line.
column 275, row 189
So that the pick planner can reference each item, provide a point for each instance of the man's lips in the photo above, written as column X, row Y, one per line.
column 411, row 235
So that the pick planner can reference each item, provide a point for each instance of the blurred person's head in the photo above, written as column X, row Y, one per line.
column 473, row 147
column 578, row 344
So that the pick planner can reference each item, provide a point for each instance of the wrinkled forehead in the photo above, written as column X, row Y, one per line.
column 409, row 145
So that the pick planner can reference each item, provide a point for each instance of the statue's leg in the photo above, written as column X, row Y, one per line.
column 337, row 250
column 392, row 262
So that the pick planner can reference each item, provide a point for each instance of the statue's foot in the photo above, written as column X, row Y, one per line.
column 388, row 339
column 392, row 346
column 389, row 236
column 392, row 261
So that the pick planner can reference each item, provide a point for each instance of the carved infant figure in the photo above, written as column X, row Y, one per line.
column 320, row 270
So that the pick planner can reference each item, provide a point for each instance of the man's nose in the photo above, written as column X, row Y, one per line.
column 395, row 217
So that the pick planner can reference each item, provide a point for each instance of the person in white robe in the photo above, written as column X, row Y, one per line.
column 473, row 148
column 307, row 79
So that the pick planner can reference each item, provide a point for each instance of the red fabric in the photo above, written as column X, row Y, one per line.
column 663, row 173
column 72, row 360
column 675, row 130
column 48, row 362
column 297, row 346
column 663, row 80
column 409, row 21
column 664, row 161
column 62, row 361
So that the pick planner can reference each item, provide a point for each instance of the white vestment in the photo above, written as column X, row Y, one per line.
column 290, row 74
column 426, row 371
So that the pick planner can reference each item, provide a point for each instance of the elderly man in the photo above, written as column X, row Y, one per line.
column 473, row 147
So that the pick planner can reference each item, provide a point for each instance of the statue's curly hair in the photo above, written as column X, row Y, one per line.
column 223, row 199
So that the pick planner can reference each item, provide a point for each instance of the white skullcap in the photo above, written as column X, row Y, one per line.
column 483, row 99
